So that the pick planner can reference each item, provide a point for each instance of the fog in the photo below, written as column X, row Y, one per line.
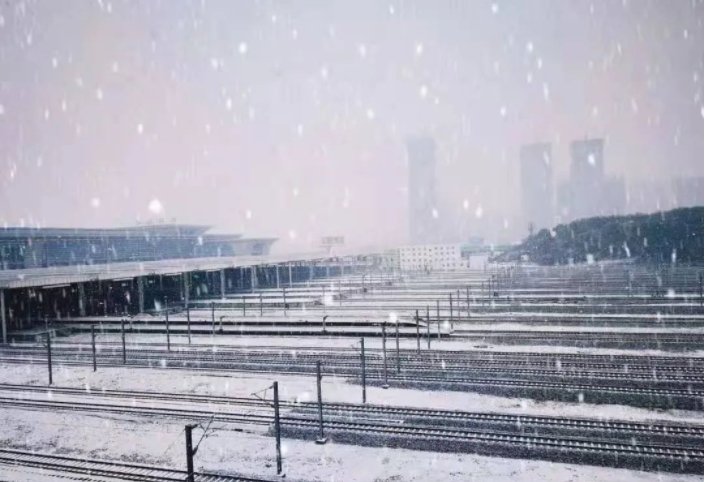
column 290, row 119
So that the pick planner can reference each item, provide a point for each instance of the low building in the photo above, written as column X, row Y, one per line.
column 431, row 257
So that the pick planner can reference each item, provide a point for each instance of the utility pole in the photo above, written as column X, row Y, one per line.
column 278, row 451
column 322, row 439
column 468, row 305
column 363, row 369
column 213, row 318
column 397, row 344
column 439, row 329
column 451, row 308
column 188, row 325
column 93, row 345
column 166, row 320
column 428, row 328
column 385, row 361
column 417, row 327
column 122, row 336
column 190, row 452
column 49, row 356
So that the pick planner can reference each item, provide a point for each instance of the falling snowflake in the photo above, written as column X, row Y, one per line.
column 155, row 206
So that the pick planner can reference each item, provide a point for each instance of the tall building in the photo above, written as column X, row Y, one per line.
column 536, row 185
column 586, row 178
column 421, row 190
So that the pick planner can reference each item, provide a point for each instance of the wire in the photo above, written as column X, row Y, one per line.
column 173, row 442
column 265, row 400
column 204, row 434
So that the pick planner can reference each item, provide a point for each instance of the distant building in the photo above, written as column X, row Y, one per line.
column 422, row 200
column 586, row 178
column 22, row 247
column 430, row 257
column 536, row 184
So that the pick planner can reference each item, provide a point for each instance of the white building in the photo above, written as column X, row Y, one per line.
column 427, row 257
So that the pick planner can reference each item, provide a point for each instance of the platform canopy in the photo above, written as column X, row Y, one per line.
column 64, row 275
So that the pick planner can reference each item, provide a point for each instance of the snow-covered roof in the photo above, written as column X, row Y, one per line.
column 62, row 275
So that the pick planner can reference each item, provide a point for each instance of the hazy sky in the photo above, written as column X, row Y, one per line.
column 289, row 118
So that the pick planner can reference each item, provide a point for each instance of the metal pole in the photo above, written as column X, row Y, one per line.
column 93, row 345
column 244, row 306
column 439, row 329
column 322, row 439
column 213, row 317
column 49, row 356
column 284, row 300
column 450, row 310
column 385, row 361
column 188, row 325
column 363, row 369
column 417, row 327
column 261, row 304
column 397, row 344
column 122, row 335
column 428, row 328
column 166, row 320
column 276, row 399
column 468, row 305
column 190, row 453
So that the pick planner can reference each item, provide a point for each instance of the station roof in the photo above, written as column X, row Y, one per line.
column 14, row 232
column 64, row 275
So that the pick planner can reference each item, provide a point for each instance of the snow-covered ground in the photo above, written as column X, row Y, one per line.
column 251, row 452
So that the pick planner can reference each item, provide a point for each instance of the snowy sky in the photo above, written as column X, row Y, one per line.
column 289, row 118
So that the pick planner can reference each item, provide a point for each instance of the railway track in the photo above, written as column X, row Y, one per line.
column 350, row 424
column 621, row 363
column 350, row 364
column 107, row 469
column 690, row 399
column 669, row 377
column 683, row 433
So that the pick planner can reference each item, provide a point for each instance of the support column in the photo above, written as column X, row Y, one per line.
column 311, row 271
column 3, row 320
column 141, row 294
column 253, row 278
column 222, row 276
column 277, row 276
column 82, row 300
column 289, row 274
column 186, row 286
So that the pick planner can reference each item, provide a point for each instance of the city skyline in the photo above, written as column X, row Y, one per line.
column 290, row 121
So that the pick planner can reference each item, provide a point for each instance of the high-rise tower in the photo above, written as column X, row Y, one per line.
column 422, row 212
column 536, row 184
